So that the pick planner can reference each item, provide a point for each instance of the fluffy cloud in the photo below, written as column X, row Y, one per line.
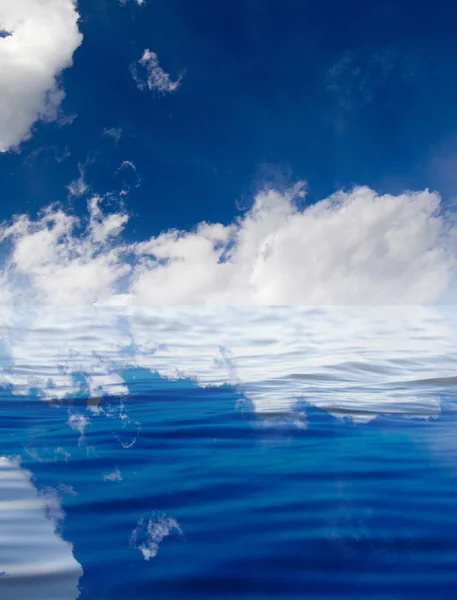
column 149, row 75
column 56, row 265
column 43, row 36
column 352, row 248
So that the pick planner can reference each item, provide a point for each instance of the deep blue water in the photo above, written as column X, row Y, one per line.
column 334, row 510
column 177, row 491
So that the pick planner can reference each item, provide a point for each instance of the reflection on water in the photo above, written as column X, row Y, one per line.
column 35, row 562
column 255, row 453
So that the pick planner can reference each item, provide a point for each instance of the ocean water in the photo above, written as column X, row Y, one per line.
column 228, row 452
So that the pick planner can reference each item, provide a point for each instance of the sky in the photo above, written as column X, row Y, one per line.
column 242, row 152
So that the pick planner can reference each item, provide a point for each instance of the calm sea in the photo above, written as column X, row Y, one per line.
column 228, row 452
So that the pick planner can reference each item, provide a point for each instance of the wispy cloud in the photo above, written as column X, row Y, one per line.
column 78, row 187
column 359, row 81
column 66, row 120
column 113, row 132
column 44, row 152
column 63, row 155
column 127, row 164
column 38, row 43
column 148, row 74
column 139, row 2
column 130, row 166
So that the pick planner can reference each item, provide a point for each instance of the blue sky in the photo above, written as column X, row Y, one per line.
column 271, row 92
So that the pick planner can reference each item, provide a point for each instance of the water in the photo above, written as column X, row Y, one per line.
column 235, row 453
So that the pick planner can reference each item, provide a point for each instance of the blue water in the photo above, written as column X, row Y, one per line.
column 174, row 491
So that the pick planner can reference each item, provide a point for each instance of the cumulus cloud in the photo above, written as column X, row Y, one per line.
column 354, row 247
column 147, row 74
column 56, row 264
column 42, row 39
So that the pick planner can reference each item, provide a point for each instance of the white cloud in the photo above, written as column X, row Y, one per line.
column 130, row 166
column 79, row 186
column 113, row 132
column 149, row 75
column 352, row 248
column 59, row 266
column 66, row 120
column 125, row 164
column 139, row 2
column 44, row 36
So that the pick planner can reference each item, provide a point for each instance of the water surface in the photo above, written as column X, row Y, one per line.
column 236, row 453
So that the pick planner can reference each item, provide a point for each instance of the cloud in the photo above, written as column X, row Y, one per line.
column 63, row 156
column 147, row 74
column 44, row 152
column 79, row 186
column 66, row 120
column 354, row 247
column 139, row 2
column 60, row 266
column 129, row 165
column 113, row 132
column 43, row 37
column 359, row 82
